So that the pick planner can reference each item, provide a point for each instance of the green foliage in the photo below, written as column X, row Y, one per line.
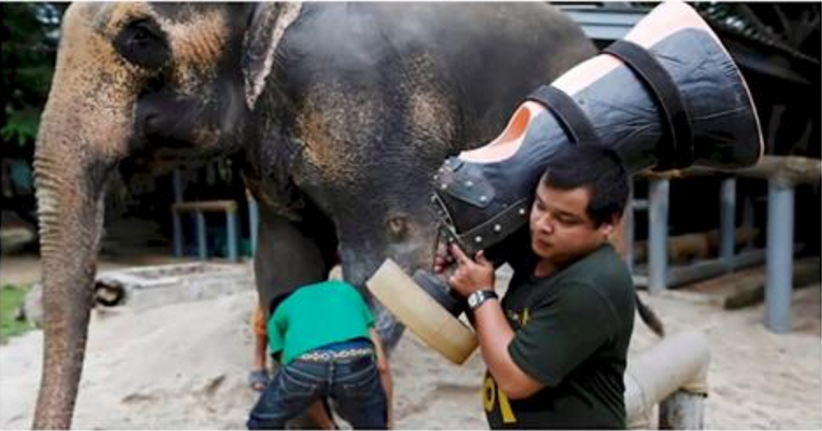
column 11, row 298
column 29, row 42
column 21, row 126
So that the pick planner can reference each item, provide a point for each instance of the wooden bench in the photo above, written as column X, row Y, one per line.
column 782, row 174
column 199, row 208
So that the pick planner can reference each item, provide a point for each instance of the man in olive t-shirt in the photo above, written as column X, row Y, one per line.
column 556, row 345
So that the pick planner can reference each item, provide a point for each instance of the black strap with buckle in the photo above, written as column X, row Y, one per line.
column 572, row 118
column 678, row 151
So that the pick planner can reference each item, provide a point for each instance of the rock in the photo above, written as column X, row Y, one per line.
column 153, row 286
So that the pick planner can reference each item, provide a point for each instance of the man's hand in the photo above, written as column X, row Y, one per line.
column 471, row 275
column 443, row 259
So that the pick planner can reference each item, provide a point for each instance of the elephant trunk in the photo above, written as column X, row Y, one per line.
column 83, row 134
column 70, row 178
column 70, row 228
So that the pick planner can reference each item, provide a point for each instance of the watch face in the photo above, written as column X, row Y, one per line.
column 473, row 299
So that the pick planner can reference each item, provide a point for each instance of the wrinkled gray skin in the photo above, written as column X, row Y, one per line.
column 339, row 113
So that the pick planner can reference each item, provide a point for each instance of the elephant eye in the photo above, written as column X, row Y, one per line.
column 143, row 43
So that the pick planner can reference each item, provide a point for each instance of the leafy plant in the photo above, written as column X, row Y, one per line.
column 11, row 298
column 29, row 42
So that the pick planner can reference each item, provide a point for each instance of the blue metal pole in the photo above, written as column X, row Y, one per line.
column 201, row 236
column 253, row 222
column 178, row 186
column 748, row 218
column 178, row 233
column 727, row 222
column 658, row 197
column 779, row 287
column 231, row 232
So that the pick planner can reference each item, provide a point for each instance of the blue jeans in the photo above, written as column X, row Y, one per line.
column 353, row 382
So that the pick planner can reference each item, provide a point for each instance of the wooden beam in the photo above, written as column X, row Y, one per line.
column 747, row 287
column 205, row 206
column 792, row 169
column 697, row 245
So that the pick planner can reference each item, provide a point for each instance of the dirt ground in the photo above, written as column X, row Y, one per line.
column 184, row 366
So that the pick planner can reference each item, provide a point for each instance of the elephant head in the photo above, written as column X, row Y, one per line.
column 121, row 69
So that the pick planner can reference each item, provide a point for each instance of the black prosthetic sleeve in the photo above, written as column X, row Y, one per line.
column 676, row 148
column 571, row 117
column 679, row 102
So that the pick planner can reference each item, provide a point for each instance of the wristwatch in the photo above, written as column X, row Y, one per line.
column 476, row 298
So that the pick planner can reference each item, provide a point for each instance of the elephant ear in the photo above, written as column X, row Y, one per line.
column 268, row 24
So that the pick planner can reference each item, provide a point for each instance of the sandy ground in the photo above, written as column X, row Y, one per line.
column 184, row 366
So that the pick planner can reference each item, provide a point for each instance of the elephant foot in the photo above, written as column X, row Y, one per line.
column 388, row 327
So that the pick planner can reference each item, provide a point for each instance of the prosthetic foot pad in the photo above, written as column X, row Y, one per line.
column 418, row 311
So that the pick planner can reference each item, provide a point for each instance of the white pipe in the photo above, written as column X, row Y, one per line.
column 679, row 362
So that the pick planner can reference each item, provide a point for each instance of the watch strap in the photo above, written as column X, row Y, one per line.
column 477, row 298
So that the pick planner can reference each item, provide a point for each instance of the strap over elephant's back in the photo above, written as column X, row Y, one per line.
column 665, row 104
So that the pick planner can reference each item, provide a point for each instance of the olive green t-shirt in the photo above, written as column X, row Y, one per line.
column 572, row 331
column 317, row 315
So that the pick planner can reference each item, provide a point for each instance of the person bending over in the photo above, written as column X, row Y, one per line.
column 324, row 338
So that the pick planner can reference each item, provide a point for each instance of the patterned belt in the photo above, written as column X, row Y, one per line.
column 328, row 355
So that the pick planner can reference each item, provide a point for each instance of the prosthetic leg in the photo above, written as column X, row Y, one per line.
column 668, row 96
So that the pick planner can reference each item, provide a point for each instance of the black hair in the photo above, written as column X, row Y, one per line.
column 597, row 168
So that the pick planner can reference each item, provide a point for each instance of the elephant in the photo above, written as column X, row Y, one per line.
column 339, row 115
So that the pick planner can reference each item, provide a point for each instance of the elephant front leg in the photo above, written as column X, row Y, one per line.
column 288, row 257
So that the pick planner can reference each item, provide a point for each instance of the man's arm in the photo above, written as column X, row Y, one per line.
column 260, row 352
column 495, row 334
column 493, row 331
column 385, row 375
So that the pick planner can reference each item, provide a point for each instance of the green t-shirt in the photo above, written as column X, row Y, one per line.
column 317, row 315
column 572, row 332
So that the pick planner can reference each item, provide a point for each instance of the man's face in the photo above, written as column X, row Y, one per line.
column 561, row 230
